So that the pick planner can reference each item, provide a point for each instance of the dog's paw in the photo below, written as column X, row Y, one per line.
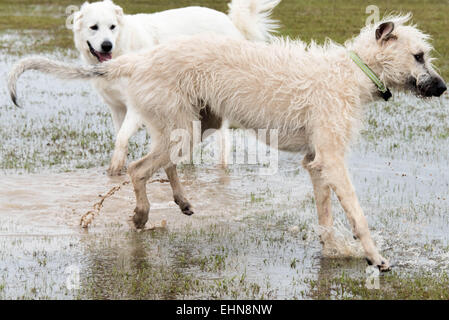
column 140, row 218
column 116, row 171
column 383, row 265
column 187, row 211
column 184, row 205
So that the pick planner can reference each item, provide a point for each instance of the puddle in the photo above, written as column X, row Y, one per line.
column 251, row 236
column 242, row 227
column 223, row 232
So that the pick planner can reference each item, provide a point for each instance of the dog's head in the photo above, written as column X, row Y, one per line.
column 401, row 55
column 96, row 29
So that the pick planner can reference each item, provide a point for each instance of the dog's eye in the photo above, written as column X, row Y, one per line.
column 95, row 27
column 419, row 57
column 112, row 27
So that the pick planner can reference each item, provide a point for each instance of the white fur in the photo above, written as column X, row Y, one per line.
column 132, row 33
column 313, row 95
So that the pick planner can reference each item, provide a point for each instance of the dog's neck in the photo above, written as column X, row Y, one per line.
column 383, row 90
column 369, row 89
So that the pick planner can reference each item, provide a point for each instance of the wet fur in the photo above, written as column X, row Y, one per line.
column 314, row 95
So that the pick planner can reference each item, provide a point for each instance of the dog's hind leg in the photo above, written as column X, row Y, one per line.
column 178, row 191
column 142, row 170
column 322, row 192
column 335, row 173
column 129, row 127
column 225, row 144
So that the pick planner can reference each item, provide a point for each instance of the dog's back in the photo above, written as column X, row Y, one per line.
column 173, row 23
column 273, row 80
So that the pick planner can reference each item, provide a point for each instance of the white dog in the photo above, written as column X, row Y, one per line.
column 103, row 32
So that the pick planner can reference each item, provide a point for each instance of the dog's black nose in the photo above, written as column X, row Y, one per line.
column 440, row 88
column 106, row 46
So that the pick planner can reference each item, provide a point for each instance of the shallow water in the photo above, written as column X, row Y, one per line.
column 251, row 236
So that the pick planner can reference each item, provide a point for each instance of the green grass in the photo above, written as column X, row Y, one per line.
column 391, row 287
column 308, row 19
column 217, row 272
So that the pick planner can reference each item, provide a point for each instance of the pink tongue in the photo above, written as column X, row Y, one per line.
column 104, row 56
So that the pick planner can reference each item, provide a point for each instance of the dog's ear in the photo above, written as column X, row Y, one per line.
column 78, row 17
column 118, row 10
column 77, row 20
column 383, row 32
column 119, row 13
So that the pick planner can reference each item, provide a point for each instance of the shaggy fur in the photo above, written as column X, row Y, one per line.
column 314, row 95
column 247, row 19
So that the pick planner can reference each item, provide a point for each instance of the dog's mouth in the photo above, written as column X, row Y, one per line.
column 412, row 85
column 101, row 56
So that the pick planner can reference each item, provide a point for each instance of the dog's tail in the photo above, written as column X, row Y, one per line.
column 110, row 70
column 253, row 18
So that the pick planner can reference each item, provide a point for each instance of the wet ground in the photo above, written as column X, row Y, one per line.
column 252, row 236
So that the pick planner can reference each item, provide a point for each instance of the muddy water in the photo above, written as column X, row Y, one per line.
column 49, row 206
column 252, row 236
column 52, row 203
column 244, row 226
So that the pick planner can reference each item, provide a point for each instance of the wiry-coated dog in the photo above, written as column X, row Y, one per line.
column 313, row 95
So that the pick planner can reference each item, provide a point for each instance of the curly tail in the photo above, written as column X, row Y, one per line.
column 108, row 70
column 253, row 18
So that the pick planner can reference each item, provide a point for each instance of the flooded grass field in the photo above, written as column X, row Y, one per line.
column 251, row 237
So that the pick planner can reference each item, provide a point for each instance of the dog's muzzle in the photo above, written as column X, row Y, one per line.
column 433, row 87
column 436, row 88
column 101, row 56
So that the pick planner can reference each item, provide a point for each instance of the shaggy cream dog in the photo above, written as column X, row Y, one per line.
column 312, row 95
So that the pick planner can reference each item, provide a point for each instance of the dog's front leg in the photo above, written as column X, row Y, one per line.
column 335, row 172
column 129, row 127
column 118, row 110
column 322, row 192
column 142, row 170
column 118, row 116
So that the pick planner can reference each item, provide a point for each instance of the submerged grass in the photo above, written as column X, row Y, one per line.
column 166, row 265
column 260, row 255
column 393, row 286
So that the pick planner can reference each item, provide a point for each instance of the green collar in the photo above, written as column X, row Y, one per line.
column 384, row 91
